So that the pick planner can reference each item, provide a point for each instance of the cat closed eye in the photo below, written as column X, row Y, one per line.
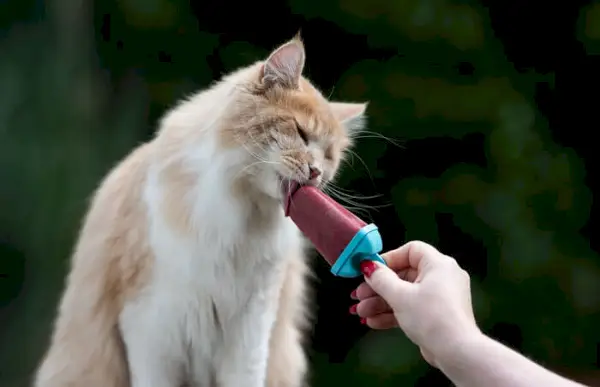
column 302, row 133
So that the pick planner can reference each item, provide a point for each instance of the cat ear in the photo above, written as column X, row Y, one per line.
column 284, row 66
column 350, row 115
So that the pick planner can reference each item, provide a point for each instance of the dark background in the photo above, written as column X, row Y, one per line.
column 483, row 114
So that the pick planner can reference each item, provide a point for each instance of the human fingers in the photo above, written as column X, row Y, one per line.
column 410, row 255
column 381, row 321
column 386, row 282
column 364, row 290
column 409, row 275
column 372, row 306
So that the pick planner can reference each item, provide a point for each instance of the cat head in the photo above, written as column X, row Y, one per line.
column 286, row 127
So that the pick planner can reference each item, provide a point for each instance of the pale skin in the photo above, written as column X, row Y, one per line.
column 427, row 294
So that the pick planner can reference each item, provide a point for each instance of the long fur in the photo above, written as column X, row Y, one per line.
column 186, row 272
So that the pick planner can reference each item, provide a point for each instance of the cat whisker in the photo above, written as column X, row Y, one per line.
column 358, row 210
column 349, row 202
column 350, row 193
column 259, row 145
column 350, row 199
column 366, row 134
column 240, row 172
column 351, row 206
column 349, row 161
column 252, row 153
column 331, row 93
column 353, row 153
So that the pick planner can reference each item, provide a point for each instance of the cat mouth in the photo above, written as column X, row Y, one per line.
column 287, row 197
column 288, row 188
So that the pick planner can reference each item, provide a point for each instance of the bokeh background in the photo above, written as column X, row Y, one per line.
column 482, row 117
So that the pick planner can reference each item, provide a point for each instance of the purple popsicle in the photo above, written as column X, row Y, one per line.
column 336, row 233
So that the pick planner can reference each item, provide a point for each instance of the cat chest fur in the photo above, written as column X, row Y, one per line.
column 209, row 301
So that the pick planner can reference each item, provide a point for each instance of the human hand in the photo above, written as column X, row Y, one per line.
column 422, row 291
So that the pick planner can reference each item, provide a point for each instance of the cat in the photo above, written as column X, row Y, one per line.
column 186, row 271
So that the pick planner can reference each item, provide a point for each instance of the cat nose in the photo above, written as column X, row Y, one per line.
column 313, row 172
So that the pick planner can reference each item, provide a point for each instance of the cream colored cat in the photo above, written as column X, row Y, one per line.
column 186, row 272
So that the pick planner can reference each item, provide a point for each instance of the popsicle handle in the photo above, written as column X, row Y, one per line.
column 366, row 245
column 351, row 267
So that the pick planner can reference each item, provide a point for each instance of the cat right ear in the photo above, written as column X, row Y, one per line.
column 350, row 115
column 284, row 66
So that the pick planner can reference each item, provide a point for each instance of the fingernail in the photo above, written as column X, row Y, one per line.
column 368, row 267
column 353, row 295
column 353, row 309
column 363, row 321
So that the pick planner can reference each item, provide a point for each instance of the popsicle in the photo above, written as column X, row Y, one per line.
column 343, row 239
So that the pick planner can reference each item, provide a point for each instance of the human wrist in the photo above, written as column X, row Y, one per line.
column 458, row 345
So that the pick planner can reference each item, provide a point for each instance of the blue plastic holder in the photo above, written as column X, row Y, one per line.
column 365, row 245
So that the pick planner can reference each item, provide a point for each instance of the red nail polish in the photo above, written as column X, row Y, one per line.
column 363, row 321
column 368, row 267
column 353, row 295
column 353, row 309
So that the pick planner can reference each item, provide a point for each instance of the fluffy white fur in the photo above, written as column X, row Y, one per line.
column 186, row 272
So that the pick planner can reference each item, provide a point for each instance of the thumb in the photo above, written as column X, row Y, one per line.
column 385, row 282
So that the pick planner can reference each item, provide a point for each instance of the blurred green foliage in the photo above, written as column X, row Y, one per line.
column 61, row 128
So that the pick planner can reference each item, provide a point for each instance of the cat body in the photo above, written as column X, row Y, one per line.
column 186, row 271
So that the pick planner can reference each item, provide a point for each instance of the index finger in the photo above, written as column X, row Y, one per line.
column 410, row 255
column 364, row 290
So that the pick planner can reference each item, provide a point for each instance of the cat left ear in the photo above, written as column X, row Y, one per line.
column 350, row 115
column 284, row 66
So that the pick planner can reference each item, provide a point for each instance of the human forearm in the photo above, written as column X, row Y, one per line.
column 481, row 361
